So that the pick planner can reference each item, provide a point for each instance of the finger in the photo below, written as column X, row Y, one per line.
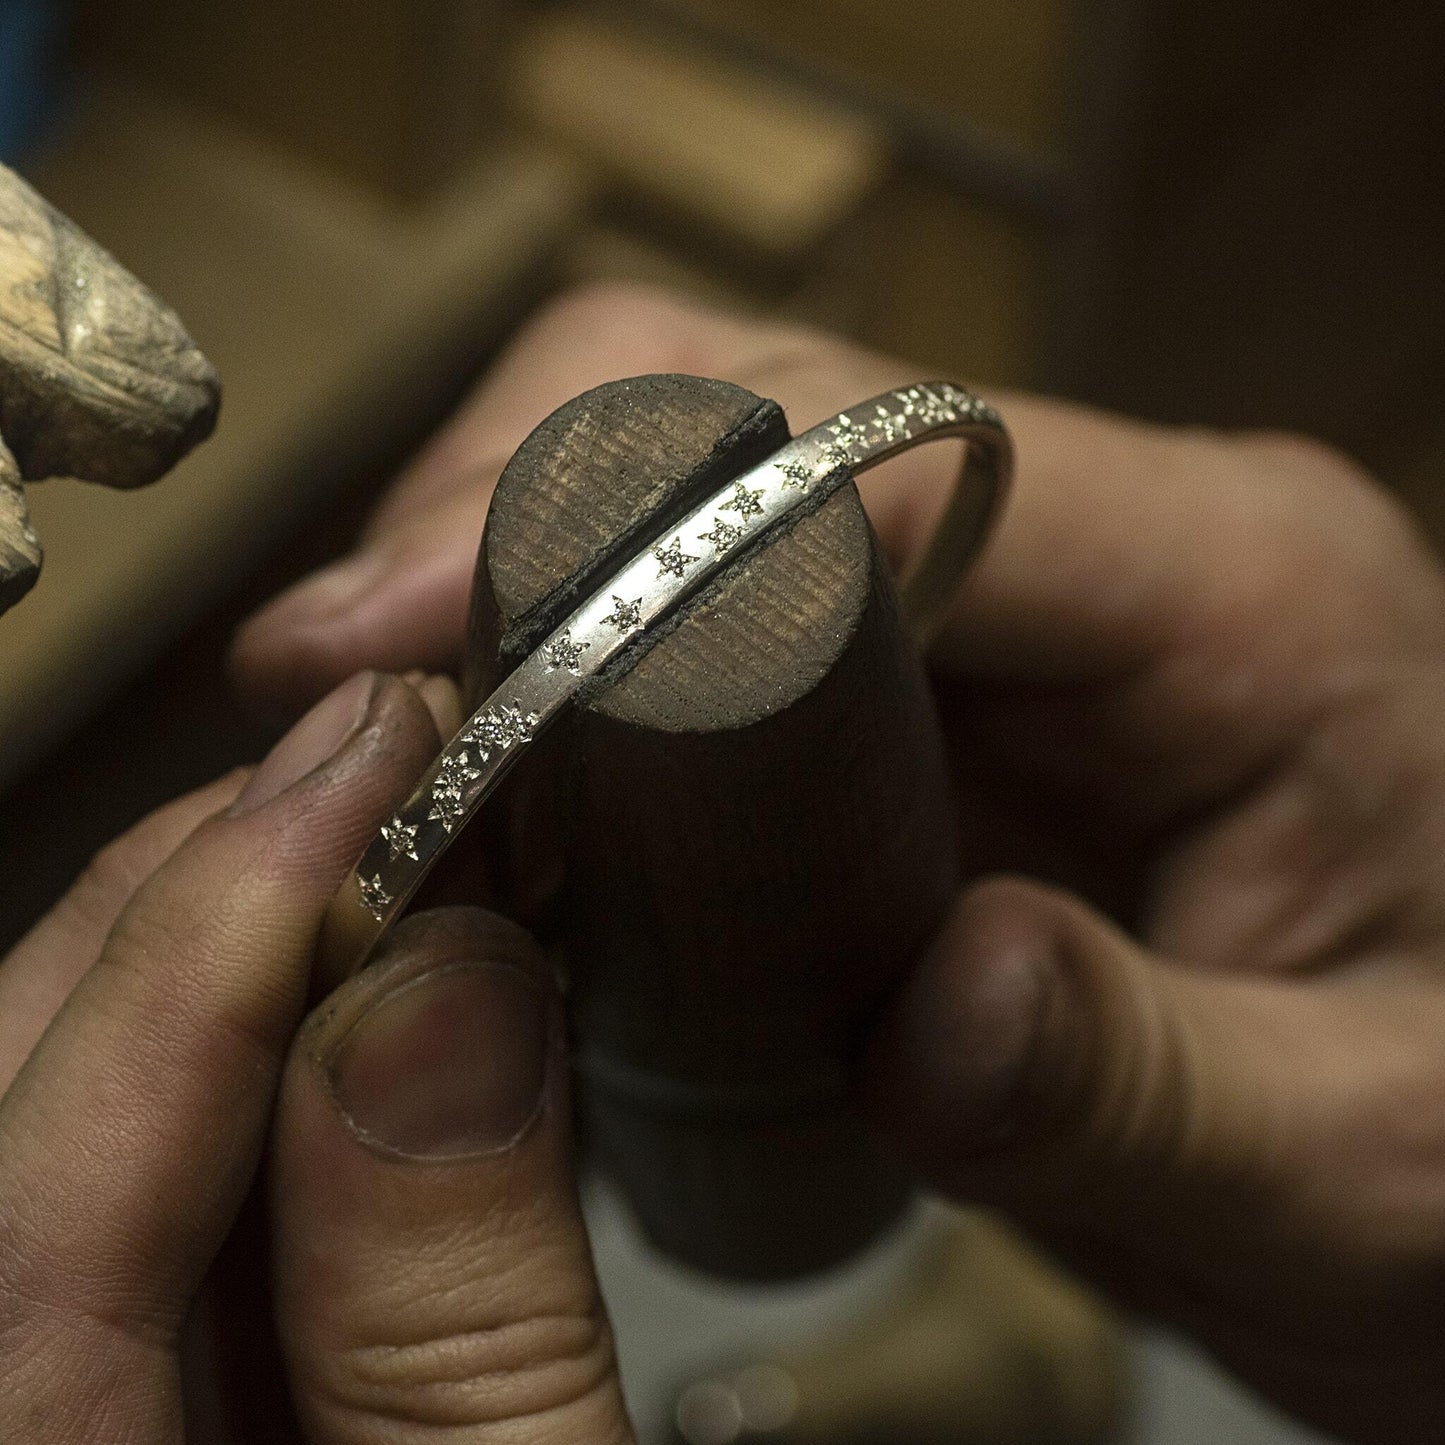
column 401, row 599
column 1126, row 546
column 38, row 974
column 129, row 1137
column 432, row 1268
column 1119, row 539
column 1183, row 1139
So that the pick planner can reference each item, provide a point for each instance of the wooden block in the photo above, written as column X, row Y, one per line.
column 745, row 161
column 325, row 311
column 753, row 828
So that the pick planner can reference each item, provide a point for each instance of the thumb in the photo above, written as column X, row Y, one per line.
column 432, row 1268
column 1126, row 1110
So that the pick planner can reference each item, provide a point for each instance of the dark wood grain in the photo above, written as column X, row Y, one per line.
column 738, row 846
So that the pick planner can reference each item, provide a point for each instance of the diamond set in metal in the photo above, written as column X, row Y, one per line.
column 846, row 439
column 562, row 654
column 745, row 501
column 447, row 808
column 500, row 724
column 722, row 536
column 400, row 839
column 625, row 616
column 374, row 896
column 672, row 561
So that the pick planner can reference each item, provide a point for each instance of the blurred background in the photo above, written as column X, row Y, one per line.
column 1219, row 212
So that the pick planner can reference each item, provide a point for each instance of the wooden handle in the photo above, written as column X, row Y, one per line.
column 98, row 378
column 737, row 846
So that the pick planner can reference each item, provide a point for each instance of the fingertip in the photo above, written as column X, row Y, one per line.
column 314, row 739
column 1035, row 1061
column 277, row 671
column 947, row 1057
column 442, row 1050
column 425, row 1207
column 410, row 614
column 458, row 1014
column 308, row 638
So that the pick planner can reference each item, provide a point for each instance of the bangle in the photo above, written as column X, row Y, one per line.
column 606, row 634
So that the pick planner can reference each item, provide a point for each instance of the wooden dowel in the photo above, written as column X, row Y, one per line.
column 737, row 846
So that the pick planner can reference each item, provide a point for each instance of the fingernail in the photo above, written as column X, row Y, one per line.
column 311, row 742
column 449, row 1065
column 443, row 701
column 333, row 590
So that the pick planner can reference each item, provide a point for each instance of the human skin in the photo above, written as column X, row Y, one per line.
column 1182, row 1024
column 410, row 1261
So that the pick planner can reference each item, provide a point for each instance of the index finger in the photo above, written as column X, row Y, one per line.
column 1116, row 534
column 37, row 975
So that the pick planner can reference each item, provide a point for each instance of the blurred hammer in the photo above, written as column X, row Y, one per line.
column 98, row 378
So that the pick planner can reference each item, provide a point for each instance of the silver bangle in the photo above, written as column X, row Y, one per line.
column 615, row 625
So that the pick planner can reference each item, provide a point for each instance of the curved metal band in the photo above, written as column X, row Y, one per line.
column 615, row 626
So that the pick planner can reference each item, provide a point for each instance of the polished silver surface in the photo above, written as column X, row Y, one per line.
column 613, row 626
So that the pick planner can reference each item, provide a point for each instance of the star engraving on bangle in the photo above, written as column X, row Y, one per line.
column 447, row 791
column 797, row 474
column 892, row 426
column 625, row 616
column 672, row 560
column 745, row 501
column 945, row 402
column 963, row 406
column 932, row 406
column 722, row 536
column 376, row 899
column 500, row 726
column 456, row 771
column 446, row 809
column 564, row 655
column 400, row 839
column 846, row 438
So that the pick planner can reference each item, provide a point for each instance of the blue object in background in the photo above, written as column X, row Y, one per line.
column 28, row 31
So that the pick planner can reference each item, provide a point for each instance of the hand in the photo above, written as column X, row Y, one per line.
column 428, row 1265
column 1196, row 689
